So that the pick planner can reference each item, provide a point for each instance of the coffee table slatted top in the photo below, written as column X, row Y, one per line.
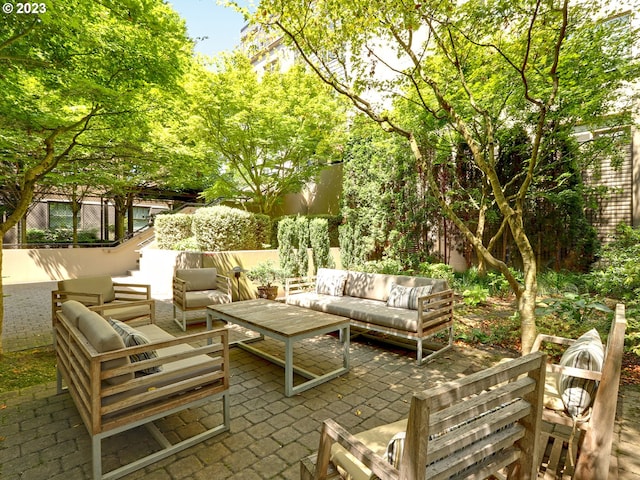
column 279, row 318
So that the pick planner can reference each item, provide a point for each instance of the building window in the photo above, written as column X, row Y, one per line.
column 140, row 217
column 60, row 215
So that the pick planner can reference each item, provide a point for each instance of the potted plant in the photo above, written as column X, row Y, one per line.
column 265, row 274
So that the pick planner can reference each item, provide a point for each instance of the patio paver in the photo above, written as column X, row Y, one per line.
column 42, row 437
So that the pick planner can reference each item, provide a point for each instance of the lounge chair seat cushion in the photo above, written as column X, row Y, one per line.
column 552, row 397
column 366, row 310
column 167, row 376
column 377, row 439
column 128, row 311
column 204, row 298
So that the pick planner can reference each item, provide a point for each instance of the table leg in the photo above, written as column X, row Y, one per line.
column 345, row 333
column 288, row 367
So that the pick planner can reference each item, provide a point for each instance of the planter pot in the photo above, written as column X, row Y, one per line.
column 270, row 293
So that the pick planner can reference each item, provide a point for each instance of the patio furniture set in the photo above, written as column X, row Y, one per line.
column 123, row 371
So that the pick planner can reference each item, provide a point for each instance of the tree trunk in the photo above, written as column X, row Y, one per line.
column 1, row 294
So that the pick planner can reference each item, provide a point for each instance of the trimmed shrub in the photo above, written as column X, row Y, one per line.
column 287, row 245
column 171, row 230
column 264, row 226
column 302, row 240
column 223, row 228
column 320, row 244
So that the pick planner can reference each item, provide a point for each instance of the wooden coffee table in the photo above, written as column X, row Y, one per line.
column 289, row 324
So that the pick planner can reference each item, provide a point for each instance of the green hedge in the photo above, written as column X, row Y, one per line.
column 172, row 230
column 223, row 228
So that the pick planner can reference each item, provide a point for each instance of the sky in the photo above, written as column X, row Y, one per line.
column 214, row 28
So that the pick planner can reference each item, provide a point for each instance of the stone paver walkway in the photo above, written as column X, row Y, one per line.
column 42, row 436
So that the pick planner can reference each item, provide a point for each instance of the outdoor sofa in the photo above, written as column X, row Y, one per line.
column 121, row 377
column 407, row 308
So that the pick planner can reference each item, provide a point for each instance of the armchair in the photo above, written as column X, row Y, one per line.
column 196, row 288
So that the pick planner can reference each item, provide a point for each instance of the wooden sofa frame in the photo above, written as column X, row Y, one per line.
column 132, row 294
column 483, row 423
column 223, row 285
column 434, row 314
column 142, row 400
column 589, row 456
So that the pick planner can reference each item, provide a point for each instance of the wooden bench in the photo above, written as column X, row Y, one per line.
column 478, row 425
column 584, row 452
column 112, row 395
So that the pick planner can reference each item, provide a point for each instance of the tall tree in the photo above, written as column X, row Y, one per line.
column 468, row 70
column 269, row 135
column 71, row 70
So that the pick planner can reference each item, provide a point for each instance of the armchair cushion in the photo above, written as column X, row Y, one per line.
column 103, row 338
column 204, row 298
column 102, row 284
column 198, row 278
column 72, row 309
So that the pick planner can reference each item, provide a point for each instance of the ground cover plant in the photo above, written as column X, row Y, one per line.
column 26, row 368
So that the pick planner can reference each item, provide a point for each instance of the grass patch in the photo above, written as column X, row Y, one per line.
column 26, row 368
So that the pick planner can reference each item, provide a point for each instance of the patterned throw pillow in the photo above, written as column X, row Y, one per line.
column 406, row 297
column 587, row 353
column 133, row 338
column 329, row 282
column 395, row 448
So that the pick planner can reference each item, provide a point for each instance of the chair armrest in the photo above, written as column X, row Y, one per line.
column 544, row 338
column 126, row 291
column 223, row 283
column 435, row 309
column 332, row 433
column 58, row 297
column 299, row 285
column 104, row 309
column 180, row 286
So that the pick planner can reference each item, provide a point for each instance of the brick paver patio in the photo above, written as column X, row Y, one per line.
column 42, row 437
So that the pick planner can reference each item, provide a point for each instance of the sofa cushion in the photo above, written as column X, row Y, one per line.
column 331, row 282
column 198, row 278
column 134, row 338
column 365, row 310
column 587, row 353
column 406, row 297
column 205, row 297
column 96, row 285
column 72, row 309
column 376, row 286
column 103, row 338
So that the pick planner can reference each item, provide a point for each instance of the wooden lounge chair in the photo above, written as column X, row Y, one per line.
column 474, row 426
column 197, row 288
column 583, row 452
column 126, row 301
